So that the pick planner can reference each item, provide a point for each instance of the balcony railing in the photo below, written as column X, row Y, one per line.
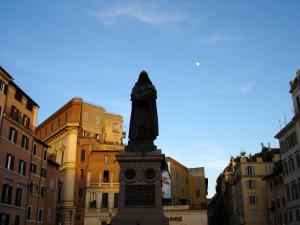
column 17, row 117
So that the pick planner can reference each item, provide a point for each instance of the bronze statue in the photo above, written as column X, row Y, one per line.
column 143, row 121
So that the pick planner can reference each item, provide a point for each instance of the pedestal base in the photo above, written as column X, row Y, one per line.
column 140, row 201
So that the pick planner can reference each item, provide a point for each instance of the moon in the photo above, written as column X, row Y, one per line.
column 197, row 63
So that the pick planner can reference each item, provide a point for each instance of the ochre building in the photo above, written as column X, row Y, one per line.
column 25, row 171
column 84, row 139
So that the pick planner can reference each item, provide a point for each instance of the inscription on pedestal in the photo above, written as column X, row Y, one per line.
column 139, row 195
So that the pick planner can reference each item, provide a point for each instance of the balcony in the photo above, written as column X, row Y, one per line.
column 17, row 117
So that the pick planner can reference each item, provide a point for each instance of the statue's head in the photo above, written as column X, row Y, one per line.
column 144, row 77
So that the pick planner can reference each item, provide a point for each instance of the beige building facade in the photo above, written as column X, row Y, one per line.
column 188, row 185
column 78, row 133
column 241, row 197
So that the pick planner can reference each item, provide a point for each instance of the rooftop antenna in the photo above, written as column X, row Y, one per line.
column 285, row 119
column 279, row 124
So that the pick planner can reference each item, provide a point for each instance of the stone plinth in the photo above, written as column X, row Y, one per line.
column 140, row 200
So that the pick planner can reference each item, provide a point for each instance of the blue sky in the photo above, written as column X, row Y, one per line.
column 231, row 100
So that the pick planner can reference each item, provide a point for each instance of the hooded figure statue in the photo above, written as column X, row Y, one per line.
column 143, row 120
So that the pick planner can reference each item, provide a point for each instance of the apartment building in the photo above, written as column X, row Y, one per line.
column 23, row 158
column 276, row 199
column 102, row 187
column 241, row 196
column 188, row 185
column 289, row 137
column 84, row 139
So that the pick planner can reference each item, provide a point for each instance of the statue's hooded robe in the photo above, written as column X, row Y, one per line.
column 143, row 120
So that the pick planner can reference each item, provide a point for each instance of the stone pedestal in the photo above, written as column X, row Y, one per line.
column 140, row 200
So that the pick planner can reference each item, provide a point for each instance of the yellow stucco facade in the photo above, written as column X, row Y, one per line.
column 75, row 132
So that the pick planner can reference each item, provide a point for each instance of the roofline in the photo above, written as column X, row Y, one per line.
column 284, row 129
column 59, row 110
column 6, row 73
column 168, row 157
column 42, row 142
column 27, row 96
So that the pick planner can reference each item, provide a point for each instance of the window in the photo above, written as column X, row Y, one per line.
column 288, row 195
column 4, row 219
column 34, row 149
column 278, row 203
column 197, row 193
column 252, row 184
column 29, row 105
column 298, row 159
column 43, row 172
column 18, row 95
column 45, row 154
column 40, row 215
column 82, row 155
column 93, row 200
column 282, row 147
column 115, row 127
column 9, row 164
column 291, row 215
column 250, row 170
column 60, row 189
column 271, row 185
column 252, row 199
column 18, row 200
column 31, row 187
column 58, row 122
column 285, row 168
column 106, row 159
column 81, row 174
column 17, row 220
column 25, row 141
column 33, row 168
column 104, row 200
column 98, row 120
column 22, row 167
column 105, row 176
column 116, row 200
column 13, row 134
column 297, row 215
column 62, row 157
column 42, row 191
column 51, row 183
column 6, row 194
column 80, row 193
column 294, row 190
column 291, row 165
column 85, row 116
column 283, row 201
column 66, row 117
column 28, row 212
column 26, row 121
column 2, row 86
